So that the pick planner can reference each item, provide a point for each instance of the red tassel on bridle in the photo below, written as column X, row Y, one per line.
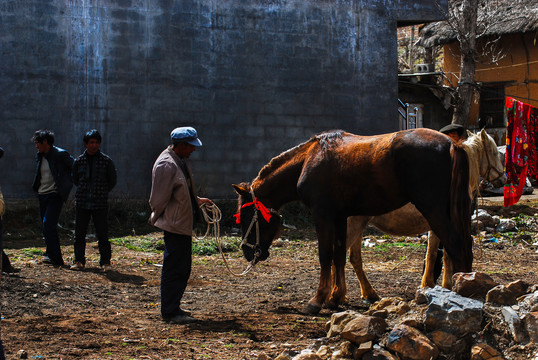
column 266, row 213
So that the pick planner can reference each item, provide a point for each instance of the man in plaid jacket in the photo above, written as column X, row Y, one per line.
column 94, row 175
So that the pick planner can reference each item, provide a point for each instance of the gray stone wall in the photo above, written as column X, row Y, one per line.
column 254, row 77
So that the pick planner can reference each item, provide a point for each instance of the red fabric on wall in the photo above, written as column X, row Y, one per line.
column 533, row 142
column 521, row 156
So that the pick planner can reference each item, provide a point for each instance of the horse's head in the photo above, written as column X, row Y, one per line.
column 259, row 224
column 491, row 167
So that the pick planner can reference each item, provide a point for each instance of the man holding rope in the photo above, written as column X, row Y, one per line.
column 174, row 205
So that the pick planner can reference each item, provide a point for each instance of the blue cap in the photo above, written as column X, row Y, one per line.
column 185, row 134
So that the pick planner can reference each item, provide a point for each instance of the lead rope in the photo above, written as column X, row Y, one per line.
column 212, row 216
column 478, row 243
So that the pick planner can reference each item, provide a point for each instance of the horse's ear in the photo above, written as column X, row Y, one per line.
column 241, row 189
column 483, row 134
column 469, row 134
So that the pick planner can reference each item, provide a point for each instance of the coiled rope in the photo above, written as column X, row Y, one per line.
column 212, row 216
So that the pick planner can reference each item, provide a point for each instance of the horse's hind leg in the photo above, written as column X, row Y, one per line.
column 453, row 250
column 448, row 271
column 355, row 229
column 431, row 257
column 339, row 290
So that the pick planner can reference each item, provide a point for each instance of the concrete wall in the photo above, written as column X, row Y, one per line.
column 254, row 77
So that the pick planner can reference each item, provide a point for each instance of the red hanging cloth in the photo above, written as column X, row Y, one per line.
column 519, row 152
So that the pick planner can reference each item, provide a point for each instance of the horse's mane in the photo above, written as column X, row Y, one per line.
column 326, row 140
column 472, row 146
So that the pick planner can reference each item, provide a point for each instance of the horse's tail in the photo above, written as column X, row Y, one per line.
column 460, row 202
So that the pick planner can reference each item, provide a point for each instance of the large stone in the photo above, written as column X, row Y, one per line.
column 364, row 328
column 339, row 321
column 362, row 349
column 451, row 312
column 411, row 344
column 337, row 355
column 285, row 355
column 413, row 323
column 506, row 225
column 485, row 218
column 307, row 355
column 529, row 302
column 393, row 305
column 263, row 356
column 448, row 343
column 347, row 349
column 507, row 295
column 501, row 295
column 485, row 352
column 514, row 324
column 323, row 351
column 443, row 340
column 473, row 285
column 379, row 354
column 518, row 287
column 531, row 324
column 420, row 296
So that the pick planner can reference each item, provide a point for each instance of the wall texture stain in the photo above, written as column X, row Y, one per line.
column 255, row 78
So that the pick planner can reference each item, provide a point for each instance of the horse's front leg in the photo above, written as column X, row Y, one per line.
column 325, row 233
column 338, row 293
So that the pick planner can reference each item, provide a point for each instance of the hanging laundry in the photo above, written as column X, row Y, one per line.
column 520, row 159
column 532, row 171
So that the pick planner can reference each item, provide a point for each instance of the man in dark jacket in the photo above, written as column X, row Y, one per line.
column 53, row 184
column 94, row 175
column 7, row 268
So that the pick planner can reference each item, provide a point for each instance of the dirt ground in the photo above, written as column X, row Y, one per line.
column 57, row 313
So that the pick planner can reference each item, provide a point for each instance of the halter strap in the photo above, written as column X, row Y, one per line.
column 490, row 167
column 266, row 213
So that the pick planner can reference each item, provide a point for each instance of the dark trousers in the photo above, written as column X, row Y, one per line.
column 6, row 264
column 82, row 220
column 50, row 206
column 176, row 271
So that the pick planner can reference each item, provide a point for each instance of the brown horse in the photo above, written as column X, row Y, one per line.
column 338, row 174
column 484, row 162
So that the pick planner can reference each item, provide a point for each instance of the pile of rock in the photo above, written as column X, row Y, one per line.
column 483, row 221
column 479, row 320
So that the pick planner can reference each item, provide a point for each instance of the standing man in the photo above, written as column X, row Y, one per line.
column 173, row 203
column 2, row 208
column 2, row 259
column 53, row 184
column 454, row 131
column 7, row 268
column 94, row 175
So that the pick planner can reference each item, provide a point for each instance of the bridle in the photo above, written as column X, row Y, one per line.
column 266, row 213
column 491, row 167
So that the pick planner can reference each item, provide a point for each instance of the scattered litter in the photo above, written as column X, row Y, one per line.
column 369, row 242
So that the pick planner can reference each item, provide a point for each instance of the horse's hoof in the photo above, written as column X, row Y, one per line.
column 311, row 309
column 372, row 298
column 335, row 304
